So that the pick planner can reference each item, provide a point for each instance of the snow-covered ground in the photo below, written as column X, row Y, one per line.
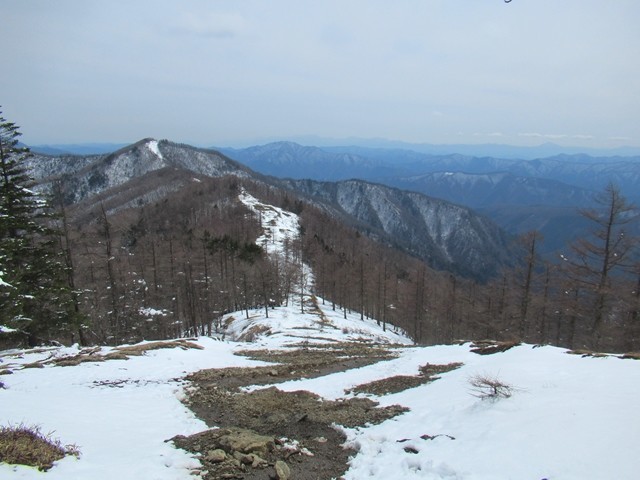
column 569, row 418
column 280, row 226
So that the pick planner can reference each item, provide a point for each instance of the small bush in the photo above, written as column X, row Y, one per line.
column 487, row 387
column 23, row 445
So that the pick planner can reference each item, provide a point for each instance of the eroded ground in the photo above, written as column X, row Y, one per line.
column 291, row 430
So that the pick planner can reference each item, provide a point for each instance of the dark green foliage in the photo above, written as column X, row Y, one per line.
column 247, row 252
column 34, row 296
column 250, row 253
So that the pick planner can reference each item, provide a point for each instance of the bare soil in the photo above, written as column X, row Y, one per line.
column 300, row 418
column 399, row 383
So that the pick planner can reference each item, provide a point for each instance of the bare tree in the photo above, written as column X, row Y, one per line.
column 601, row 259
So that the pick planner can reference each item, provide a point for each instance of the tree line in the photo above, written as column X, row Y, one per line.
column 95, row 273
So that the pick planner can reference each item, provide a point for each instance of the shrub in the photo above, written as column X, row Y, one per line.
column 485, row 386
column 23, row 445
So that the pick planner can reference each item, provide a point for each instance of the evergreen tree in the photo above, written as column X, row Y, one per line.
column 34, row 295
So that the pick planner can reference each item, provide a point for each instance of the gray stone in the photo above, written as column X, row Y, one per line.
column 246, row 441
column 216, row 456
column 282, row 470
column 258, row 462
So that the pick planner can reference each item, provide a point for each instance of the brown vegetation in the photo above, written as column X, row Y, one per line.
column 25, row 445
column 173, row 265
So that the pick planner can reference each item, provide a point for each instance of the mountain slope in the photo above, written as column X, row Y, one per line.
column 495, row 189
column 544, row 194
column 447, row 236
column 88, row 176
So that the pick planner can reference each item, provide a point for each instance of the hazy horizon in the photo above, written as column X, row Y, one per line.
column 232, row 73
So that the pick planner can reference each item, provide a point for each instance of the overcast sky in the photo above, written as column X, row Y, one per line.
column 223, row 72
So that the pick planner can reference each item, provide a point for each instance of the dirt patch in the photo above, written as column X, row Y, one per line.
column 587, row 353
column 291, row 364
column 399, row 383
column 300, row 424
column 631, row 356
column 590, row 353
column 489, row 347
column 273, row 411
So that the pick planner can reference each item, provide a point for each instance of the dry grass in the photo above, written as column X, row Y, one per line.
column 253, row 332
column 488, row 387
column 120, row 353
column 587, row 353
column 141, row 348
column 489, row 347
column 631, row 355
column 23, row 445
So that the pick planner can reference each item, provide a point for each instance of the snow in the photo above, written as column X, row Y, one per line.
column 119, row 413
column 569, row 418
column 153, row 146
column 152, row 312
column 288, row 326
column 2, row 282
column 280, row 226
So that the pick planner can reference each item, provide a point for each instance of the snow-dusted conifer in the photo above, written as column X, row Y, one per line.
column 33, row 295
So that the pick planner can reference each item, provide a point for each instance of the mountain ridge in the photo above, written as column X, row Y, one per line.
column 361, row 204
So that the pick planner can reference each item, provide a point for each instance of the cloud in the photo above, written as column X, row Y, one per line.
column 491, row 134
column 619, row 139
column 211, row 25
column 543, row 135
column 556, row 136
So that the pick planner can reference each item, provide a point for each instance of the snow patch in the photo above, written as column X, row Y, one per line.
column 2, row 282
column 152, row 312
column 280, row 227
column 153, row 146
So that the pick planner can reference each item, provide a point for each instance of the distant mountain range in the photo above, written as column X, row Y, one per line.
column 542, row 194
column 520, row 195
column 372, row 145
column 447, row 236
column 78, row 148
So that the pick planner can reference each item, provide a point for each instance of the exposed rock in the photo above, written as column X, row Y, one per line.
column 245, row 441
column 216, row 456
column 282, row 470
